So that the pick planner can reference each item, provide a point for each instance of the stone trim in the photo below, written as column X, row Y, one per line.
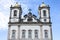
column 29, row 23
column 45, row 18
column 14, row 17
column 44, row 7
column 16, row 7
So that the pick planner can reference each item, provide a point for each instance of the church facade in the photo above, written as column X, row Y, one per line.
column 30, row 27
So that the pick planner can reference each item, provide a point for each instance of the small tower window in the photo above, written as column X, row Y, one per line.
column 29, row 33
column 36, row 33
column 13, row 33
column 44, row 20
column 15, row 12
column 44, row 12
column 46, row 33
column 23, row 33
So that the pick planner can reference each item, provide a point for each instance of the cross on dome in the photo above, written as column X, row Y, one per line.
column 29, row 10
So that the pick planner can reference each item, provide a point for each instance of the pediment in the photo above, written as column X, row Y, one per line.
column 30, row 18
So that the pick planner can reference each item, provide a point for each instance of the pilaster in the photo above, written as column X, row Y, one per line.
column 41, row 34
column 9, row 27
column 18, row 32
column 51, row 32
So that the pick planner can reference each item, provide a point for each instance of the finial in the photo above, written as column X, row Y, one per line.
column 16, row 5
column 42, row 2
column 29, row 10
column 16, row 2
column 11, row 5
column 43, row 5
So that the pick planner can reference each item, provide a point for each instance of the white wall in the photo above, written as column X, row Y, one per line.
column 47, row 12
column 28, row 27
column 47, row 20
column 14, row 28
column 14, row 20
column 46, row 27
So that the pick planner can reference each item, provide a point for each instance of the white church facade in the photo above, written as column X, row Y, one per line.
column 30, row 27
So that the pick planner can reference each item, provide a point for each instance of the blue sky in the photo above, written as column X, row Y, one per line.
column 32, row 4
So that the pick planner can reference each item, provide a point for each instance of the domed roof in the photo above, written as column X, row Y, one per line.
column 16, row 5
column 43, row 5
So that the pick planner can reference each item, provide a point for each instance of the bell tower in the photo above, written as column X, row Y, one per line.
column 15, row 13
column 45, row 20
column 44, row 12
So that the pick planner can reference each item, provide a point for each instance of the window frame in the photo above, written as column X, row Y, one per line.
column 44, row 12
column 13, row 34
column 36, row 33
column 15, row 12
column 29, row 33
column 46, row 33
column 23, row 33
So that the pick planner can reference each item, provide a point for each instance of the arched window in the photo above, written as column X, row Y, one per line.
column 23, row 33
column 13, row 33
column 36, row 33
column 29, row 33
column 44, row 12
column 15, row 12
column 46, row 33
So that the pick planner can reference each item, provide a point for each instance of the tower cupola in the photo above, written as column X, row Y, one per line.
column 15, row 12
column 17, row 5
column 43, row 5
column 44, row 12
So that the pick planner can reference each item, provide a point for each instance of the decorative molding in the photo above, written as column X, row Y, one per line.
column 16, row 7
column 29, row 23
column 44, row 7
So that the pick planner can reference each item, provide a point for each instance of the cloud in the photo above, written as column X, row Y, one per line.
column 4, row 9
column 5, row 12
column 3, row 21
column 7, row 3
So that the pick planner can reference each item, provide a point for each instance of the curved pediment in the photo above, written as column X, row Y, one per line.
column 30, row 18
